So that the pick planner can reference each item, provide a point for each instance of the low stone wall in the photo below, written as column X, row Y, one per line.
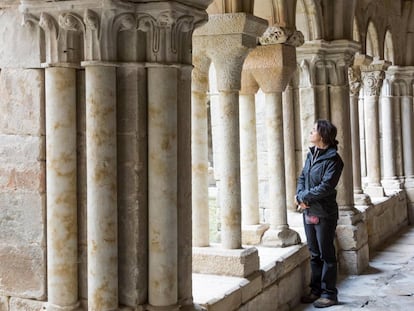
column 384, row 217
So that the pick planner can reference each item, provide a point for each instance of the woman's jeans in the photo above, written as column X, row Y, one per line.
column 320, row 238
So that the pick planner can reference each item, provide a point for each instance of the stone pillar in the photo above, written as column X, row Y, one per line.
column 252, row 230
column 389, row 180
column 272, row 65
column 355, row 83
column 372, row 76
column 199, row 148
column 102, row 224
column 62, row 240
column 228, row 52
column 289, row 147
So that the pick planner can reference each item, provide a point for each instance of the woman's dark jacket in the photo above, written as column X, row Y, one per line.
column 317, row 182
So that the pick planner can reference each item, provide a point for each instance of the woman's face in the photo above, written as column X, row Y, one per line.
column 314, row 136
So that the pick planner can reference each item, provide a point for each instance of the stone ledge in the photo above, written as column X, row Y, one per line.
column 230, row 262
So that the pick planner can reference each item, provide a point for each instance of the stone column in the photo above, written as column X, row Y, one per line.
column 272, row 65
column 228, row 52
column 389, row 180
column 102, row 224
column 289, row 147
column 252, row 230
column 199, row 148
column 62, row 240
column 355, row 83
column 372, row 77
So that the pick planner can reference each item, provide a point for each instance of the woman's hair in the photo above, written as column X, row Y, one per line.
column 328, row 132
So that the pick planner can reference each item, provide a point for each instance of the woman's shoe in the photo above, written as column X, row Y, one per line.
column 324, row 302
column 309, row 298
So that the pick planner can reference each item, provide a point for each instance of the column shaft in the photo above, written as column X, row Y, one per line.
column 276, row 159
column 230, row 200
column 289, row 147
column 101, row 160
column 372, row 140
column 199, row 141
column 356, row 151
column 162, row 185
column 248, row 161
column 62, row 254
column 388, row 149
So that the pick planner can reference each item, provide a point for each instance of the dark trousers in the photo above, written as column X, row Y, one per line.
column 320, row 238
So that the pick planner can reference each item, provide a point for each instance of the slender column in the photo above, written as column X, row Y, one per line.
column 354, row 86
column 199, row 148
column 354, row 76
column 162, row 185
column 289, row 147
column 230, row 199
column 389, row 178
column 273, row 78
column 228, row 54
column 102, row 187
column 372, row 77
column 62, row 251
column 248, row 161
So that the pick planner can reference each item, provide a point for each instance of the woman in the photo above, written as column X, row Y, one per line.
column 316, row 197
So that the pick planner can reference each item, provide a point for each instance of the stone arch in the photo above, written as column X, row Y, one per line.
column 371, row 45
column 308, row 19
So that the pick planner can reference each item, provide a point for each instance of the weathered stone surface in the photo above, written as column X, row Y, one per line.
column 18, row 304
column 20, row 45
column 23, row 271
column 22, row 100
column 4, row 303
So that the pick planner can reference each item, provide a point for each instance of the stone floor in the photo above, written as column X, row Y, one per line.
column 388, row 283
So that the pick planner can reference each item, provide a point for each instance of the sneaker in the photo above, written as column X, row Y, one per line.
column 309, row 298
column 324, row 302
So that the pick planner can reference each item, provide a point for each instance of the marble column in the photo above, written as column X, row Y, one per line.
column 199, row 148
column 101, row 158
column 62, row 240
column 162, row 185
column 372, row 77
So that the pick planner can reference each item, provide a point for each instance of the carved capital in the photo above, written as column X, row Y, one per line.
column 103, row 31
column 281, row 35
column 372, row 82
column 354, row 77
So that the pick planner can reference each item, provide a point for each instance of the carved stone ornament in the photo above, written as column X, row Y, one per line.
column 372, row 82
column 278, row 35
column 354, row 81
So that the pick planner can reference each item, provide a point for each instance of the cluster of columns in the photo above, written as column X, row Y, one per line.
column 168, row 139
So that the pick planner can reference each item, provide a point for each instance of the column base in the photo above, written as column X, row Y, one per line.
column 53, row 307
column 374, row 191
column 252, row 234
column 354, row 262
column 231, row 262
column 280, row 238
